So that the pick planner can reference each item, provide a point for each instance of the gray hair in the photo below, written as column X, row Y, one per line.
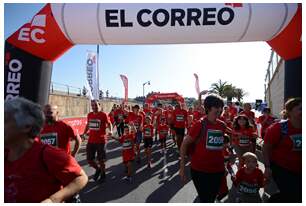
column 25, row 113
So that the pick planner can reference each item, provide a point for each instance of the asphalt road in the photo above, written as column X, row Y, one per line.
column 160, row 184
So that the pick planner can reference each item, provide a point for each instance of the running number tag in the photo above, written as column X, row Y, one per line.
column 49, row 138
column 247, row 188
column 244, row 141
column 296, row 142
column 127, row 144
column 147, row 132
column 214, row 140
column 94, row 124
column 163, row 132
column 180, row 118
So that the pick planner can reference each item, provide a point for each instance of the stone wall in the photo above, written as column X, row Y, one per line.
column 77, row 106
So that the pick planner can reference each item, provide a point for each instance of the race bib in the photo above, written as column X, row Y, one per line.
column 244, row 141
column 94, row 124
column 247, row 188
column 214, row 140
column 49, row 138
column 164, row 132
column 179, row 118
column 147, row 132
column 127, row 144
column 296, row 142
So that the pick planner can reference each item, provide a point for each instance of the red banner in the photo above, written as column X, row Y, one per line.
column 126, row 86
column 197, row 87
column 78, row 124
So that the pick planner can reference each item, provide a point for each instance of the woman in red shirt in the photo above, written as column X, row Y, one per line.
column 207, row 161
column 34, row 172
column 242, row 136
column 283, row 154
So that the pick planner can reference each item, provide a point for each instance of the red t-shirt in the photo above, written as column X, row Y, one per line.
column 249, row 183
column 227, row 119
column 111, row 118
column 287, row 152
column 266, row 124
column 148, row 131
column 232, row 111
column 97, row 123
column 196, row 115
column 119, row 115
column 246, row 135
column 163, row 130
column 38, row 174
column 208, row 155
column 179, row 118
column 128, row 150
column 58, row 135
column 147, row 111
column 249, row 114
column 137, row 119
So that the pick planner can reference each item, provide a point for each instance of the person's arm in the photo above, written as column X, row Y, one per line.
column 183, row 152
column 200, row 95
column 68, row 191
column 267, row 148
column 77, row 144
column 86, row 129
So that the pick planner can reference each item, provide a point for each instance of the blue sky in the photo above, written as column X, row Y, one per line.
column 170, row 68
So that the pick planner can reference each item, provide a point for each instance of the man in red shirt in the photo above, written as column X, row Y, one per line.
column 58, row 133
column 136, row 119
column 265, row 120
column 232, row 110
column 247, row 111
column 97, row 122
column 119, row 119
column 179, row 123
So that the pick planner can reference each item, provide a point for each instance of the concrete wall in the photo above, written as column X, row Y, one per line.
column 275, row 91
column 76, row 106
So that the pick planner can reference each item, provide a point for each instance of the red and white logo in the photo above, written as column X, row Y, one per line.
column 33, row 33
column 42, row 36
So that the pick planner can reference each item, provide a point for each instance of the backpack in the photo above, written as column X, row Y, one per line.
column 191, row 148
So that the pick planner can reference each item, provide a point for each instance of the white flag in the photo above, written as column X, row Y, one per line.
column 92, row 73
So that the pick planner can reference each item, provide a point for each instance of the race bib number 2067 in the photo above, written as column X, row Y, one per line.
column 214, row 140
column 50, row 139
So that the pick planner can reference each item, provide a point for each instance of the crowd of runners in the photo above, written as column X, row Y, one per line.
column 216, row 139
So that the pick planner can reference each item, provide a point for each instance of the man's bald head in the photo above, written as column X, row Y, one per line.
column 51, row 112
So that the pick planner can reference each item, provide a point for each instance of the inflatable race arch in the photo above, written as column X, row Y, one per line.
column 164, row 96
column 30, row 51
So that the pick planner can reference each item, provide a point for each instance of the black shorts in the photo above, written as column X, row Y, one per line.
column 148, row 142
column 180, row 131
column 92, row 149
column 162, row 140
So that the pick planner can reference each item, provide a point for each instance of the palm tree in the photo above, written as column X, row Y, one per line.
column 229, row 92
column 240, row 93
column 218, row 88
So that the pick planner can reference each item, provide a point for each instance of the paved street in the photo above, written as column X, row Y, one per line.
column 149, row 185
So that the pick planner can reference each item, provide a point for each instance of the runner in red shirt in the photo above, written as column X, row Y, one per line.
column 243, row 133
column 163, row 131
column 119, row 119
column 190, row 111
column 34, row 172
column 232, row 110
column 283, row 153
column 179, row 123
column 225, row 117
column 147, row 110
column 128, row 149
column 207, row 161
column 97, row 122
column 248, row 180
column 265, row 120
column 137, row 119
column 58, row 133
column 247, row 111
column 148, row 130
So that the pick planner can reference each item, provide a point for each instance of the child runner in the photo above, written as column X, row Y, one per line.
column 148, row 138
column 249, row 179
column 128, row 149
column 243, row 132
column 163, row 131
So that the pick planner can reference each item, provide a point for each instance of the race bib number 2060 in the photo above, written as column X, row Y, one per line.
column 214, row 140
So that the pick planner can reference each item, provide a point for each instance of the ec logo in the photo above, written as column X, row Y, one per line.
column 27, row 34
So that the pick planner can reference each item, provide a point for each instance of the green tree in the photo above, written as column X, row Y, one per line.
column 219, row 88
column 229, row 92
column 240, row 93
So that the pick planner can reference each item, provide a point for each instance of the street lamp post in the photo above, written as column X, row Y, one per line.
column 143, row 93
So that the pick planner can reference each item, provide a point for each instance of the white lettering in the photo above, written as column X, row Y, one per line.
column 13, row 79
column 34, row 37
column 24, row 34
column 17, row 63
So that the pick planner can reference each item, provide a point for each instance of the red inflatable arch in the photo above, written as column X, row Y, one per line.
column 31, row 50
column 164, row 96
